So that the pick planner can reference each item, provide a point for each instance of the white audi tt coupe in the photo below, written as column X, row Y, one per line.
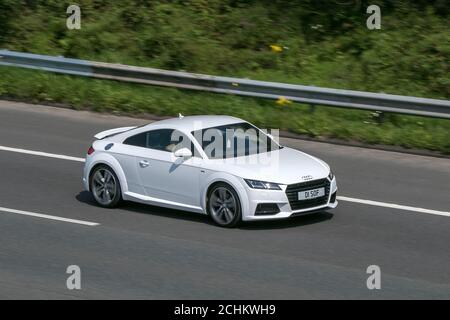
column 216, row 165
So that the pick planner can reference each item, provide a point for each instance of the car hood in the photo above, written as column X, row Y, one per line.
column 284, row 166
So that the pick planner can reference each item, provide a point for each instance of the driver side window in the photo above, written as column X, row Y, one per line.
column 168, row 140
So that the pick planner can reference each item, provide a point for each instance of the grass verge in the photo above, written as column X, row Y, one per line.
column 325, row 122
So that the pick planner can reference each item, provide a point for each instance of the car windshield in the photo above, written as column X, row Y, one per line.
column 234, row 140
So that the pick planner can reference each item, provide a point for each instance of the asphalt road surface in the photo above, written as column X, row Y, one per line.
column 144, row 252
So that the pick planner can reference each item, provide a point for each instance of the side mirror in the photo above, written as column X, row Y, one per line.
column 183, row 153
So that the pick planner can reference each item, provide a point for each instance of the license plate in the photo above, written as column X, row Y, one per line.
column 311, row 194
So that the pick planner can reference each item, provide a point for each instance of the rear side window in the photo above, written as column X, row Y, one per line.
column 139, row 140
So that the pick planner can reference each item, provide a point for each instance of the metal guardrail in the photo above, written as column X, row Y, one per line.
column 245, row 87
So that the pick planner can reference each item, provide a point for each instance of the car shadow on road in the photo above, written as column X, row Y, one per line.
column 87, row 198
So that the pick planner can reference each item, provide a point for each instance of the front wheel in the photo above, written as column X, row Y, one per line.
column 105, row 187
column 224, row 206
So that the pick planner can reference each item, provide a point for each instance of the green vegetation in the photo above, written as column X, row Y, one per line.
column 115, row 97
column 323, row 43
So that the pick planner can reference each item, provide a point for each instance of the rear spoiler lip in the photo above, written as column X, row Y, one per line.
column 111, row 132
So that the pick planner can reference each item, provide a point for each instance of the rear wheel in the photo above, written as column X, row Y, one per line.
column 224, row 206
column 105, row 187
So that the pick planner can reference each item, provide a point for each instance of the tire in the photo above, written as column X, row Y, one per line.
column 105, row 187
column 223, row 205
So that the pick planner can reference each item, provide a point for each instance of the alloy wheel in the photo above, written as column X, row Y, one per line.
column 223, row 205
column 104, row 186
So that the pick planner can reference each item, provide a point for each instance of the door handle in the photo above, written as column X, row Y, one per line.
column 144, row 163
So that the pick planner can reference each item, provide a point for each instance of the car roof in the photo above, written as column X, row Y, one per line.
column 191, row 123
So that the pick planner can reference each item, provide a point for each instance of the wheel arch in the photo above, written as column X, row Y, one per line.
column 110, row 161
column 231, row 180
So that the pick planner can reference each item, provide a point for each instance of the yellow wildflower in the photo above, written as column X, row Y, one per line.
column 275, row 48
column 283, row 101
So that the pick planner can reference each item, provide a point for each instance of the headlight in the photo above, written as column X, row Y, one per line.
column 331, row 175
column 255, row 184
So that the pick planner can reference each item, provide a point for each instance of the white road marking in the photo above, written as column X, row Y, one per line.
column 341, row 198
column 46, row 216
column 42, row 154
column 394, row 206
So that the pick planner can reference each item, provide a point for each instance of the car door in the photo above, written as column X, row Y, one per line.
column 126, row 154
column 165, row 177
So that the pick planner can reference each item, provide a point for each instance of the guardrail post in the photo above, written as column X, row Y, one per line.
column 379, row 116
column 312, row 108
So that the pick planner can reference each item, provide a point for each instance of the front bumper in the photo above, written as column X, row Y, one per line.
column 280, row 198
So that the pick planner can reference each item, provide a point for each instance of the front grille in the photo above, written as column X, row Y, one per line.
column 293, row 189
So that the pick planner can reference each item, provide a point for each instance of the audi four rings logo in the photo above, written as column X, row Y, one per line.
column 305, row 178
